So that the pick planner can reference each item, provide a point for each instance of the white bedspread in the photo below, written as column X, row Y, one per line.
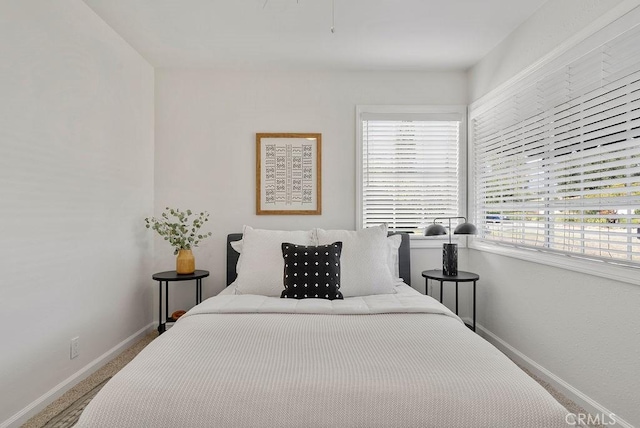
column 399, row 360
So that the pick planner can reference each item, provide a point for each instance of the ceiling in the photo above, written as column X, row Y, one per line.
column 399, row 35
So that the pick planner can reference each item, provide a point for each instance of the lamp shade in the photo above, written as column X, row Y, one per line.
column 435, row 229
column 465, row 229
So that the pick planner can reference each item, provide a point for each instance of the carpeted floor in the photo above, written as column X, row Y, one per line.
column 568, row 404
column 65, row 411
column 69, row 416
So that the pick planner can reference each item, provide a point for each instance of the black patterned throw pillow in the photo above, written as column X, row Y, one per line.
column 312, row 272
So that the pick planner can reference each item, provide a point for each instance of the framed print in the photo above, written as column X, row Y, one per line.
column 288, row 174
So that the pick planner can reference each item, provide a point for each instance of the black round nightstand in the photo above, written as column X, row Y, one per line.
column 171, row 276
column 462, row 276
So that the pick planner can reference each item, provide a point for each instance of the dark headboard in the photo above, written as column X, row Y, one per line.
column 404, row 258
column 232, row 257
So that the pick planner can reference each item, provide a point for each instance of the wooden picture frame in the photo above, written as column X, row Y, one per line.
column 288, row 173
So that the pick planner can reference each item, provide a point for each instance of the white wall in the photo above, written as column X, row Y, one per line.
column 581, row 330
column 554, row 23
column 76, row 180
column 206, row 123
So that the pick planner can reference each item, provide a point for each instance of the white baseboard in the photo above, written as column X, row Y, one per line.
column 573, row 394
column 43, row 401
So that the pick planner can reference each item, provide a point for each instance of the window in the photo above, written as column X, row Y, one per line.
column 409, row 165
column 557, row 155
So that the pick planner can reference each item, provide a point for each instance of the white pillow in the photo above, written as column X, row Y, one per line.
column 237, row 246
column 394, row 245
column 364, row 263
column 262, row 266
column 394, row 242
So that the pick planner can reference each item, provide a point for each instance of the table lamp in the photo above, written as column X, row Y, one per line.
column 450, row 251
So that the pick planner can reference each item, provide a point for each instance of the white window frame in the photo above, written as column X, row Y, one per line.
column 417, row 241
column 573, row 48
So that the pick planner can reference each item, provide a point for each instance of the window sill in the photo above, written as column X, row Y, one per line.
column 419, row 241
column 591, row 267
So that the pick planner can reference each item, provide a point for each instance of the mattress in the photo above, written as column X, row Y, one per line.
column 396, row 360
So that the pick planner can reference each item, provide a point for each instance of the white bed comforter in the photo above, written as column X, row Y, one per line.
column 400, row 360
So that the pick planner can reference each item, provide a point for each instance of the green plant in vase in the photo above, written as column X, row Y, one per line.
column 182, row 230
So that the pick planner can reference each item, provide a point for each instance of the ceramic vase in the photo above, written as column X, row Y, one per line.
column 185, row 262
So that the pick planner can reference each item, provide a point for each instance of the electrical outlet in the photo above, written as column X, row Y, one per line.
column 74, row 347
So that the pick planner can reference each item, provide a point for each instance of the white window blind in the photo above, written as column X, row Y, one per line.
column 557, row 157
column 410, row 169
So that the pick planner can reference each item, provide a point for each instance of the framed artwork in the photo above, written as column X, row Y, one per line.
column 288, row 174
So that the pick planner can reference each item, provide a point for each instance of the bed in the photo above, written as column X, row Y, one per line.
column 397, row 359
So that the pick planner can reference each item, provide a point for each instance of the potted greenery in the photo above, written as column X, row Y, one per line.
column 181, row 230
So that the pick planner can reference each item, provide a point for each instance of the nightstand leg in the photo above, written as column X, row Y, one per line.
column 456, row 298
column 474, row 306
column 160, row 330
column 166, row 300
column 440, row 291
